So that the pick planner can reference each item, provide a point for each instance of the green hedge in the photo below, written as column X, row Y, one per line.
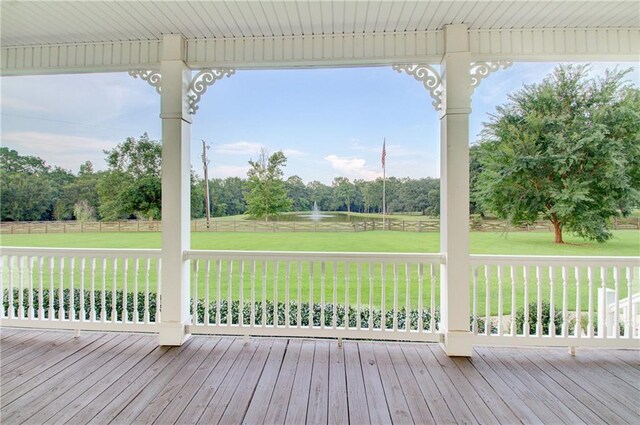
column 269, row 310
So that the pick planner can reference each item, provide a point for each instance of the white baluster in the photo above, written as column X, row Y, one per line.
column 147, row 315
column 513, row 301
column 487, row 301
column 114, row 280
column 136, row 317
column 207, row 295
column 287, row 306
column 474, row 307
column 10, row 312
column 500, row 301
column 83, row 307
column 407, row 315
column 92, row 295
column 31, row 313
column 565, row 303
column 395, row 297
column 40, row 288
column 159, row 293
column 52, row 293
column 2, row 271
column 359, row 296
column 334, row 318
column 590, row 280
column 125, row 290
column 383, row 298
column 253, row 293
column 194, row 302
column 21, row 266
column 229, row 294
column 61, row 311
column 578, row 328
column 299, row 311
column 370, row 296
column 420, row 295
column 628, row 331
column 346, row 295
column 539, row 325
column 311, row 300
column 241, row 296
column 616, row 312
column 72, row 309
column 264, row 293
column 552, row 307
column 525, row 330
column 322, row 305
column 219, row 292
column 432, row 306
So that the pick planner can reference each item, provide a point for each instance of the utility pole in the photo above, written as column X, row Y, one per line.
column 205, row 164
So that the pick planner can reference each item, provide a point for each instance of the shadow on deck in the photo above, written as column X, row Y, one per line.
column 52, row 377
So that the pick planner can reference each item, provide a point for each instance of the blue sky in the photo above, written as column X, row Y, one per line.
column 328, row 122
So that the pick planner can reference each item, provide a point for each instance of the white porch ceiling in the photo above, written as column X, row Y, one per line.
column 61, row 22
column 84, row 36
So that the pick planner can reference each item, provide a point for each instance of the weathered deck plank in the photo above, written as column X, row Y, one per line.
column 126, row 378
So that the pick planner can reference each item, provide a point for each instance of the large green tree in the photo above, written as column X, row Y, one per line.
column 267, row 194
column 132, row 186
column 566, row 149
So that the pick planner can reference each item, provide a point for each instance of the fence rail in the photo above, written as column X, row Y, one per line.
column 515, row 300
column 351, row 295
column 93, row 289
column 540, row 300
column 393, row 224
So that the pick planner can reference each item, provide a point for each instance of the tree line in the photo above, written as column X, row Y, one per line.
column 566, row 150
column 130, row 188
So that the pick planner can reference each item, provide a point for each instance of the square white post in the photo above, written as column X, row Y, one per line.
column 454, row 192
column 176, row 198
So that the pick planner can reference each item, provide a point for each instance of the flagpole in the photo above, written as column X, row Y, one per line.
column 384, row 184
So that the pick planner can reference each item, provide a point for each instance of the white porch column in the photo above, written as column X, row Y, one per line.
column 454, row 192
column 176, row 135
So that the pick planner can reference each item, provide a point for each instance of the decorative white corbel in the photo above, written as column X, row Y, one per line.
column 430, row 79
column 154, row 78
column 201, row 82
column 481, row 70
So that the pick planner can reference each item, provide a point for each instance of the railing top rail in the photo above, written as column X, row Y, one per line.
column 356, row 257
column 552, row 260
column 80, row 252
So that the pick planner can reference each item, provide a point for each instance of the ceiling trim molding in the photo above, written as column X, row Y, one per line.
column 621, row 44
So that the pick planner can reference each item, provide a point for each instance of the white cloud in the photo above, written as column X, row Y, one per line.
column 64, row 150
column 13, row 103
column 354, row 168
column 293, row 153
column 239, row 148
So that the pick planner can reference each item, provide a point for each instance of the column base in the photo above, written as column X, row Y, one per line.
column 173, row 333
column 457, row 344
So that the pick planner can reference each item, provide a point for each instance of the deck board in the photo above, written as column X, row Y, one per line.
column 52, row 377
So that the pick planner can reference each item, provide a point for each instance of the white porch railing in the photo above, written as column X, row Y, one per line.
column 351, row 295
column 570, row 301
column 540, row 300
column 92, row 289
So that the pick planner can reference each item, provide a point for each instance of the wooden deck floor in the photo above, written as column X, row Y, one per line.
column 52, row 377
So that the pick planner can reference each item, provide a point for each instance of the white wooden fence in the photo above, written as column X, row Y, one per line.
column 572, row 301
column 93, row 289
column 562, row 298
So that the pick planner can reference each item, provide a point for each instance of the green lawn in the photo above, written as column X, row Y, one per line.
column 625, row 243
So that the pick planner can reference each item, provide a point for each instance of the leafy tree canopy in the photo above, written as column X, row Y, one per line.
column 567, row 149
column 267, row 194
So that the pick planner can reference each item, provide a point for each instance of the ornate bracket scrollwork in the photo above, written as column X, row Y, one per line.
column 154, row 78
column 201, row 82
column 481, row 70
column 430, row 79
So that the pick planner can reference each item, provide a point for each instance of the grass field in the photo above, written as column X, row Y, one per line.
column 625, row 243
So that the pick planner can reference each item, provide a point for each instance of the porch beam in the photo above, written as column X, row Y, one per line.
column 454, row 192
column 176, row 205
column 527, row 45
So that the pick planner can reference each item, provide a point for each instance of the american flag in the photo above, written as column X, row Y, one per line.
column 384, row 152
